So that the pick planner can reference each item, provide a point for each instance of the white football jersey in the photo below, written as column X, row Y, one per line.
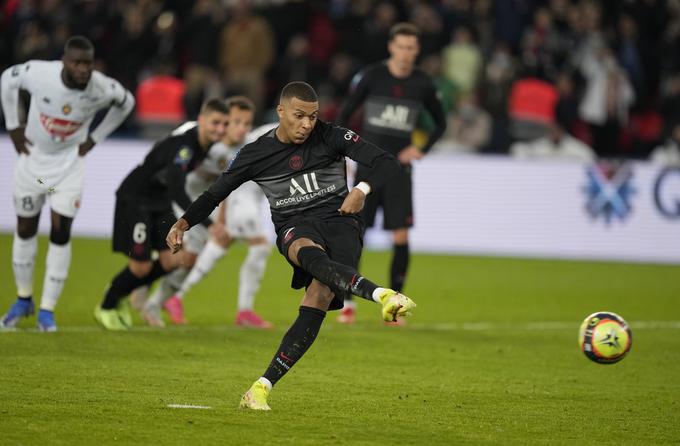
column 59, row 117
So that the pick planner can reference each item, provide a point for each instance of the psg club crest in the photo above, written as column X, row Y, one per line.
column 66, row 109
column 295, row 162
column 609, row 191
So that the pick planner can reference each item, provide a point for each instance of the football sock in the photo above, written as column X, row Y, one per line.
column 205, row 262
column 400, row 258
column 251, row 274
column 169, row 286
column 125, row 282
column 23, row 262
column 56, row 272
column 316, row 262
column 295, row 342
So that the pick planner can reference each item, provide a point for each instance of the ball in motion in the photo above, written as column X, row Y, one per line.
column 605, row 337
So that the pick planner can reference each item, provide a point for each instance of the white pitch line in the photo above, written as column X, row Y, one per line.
column 441, row 326
column 188, row 406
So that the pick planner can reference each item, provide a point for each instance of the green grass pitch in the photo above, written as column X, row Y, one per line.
column 490, row 357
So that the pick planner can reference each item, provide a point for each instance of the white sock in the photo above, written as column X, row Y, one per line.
column 23, row 263
column 252, row 271
column 168, row 286
column 351, row 304
column 266, row 382
column 376, row 294
column 56, row 272
column 205, row 262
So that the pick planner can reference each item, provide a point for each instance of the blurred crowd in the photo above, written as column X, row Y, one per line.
column 588, row 78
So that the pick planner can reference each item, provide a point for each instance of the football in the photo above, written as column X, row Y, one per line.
column 605, row 337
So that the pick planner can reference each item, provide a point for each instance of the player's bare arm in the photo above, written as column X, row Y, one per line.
column 18, row 137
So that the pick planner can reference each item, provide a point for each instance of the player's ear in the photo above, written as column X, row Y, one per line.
column 279, row 111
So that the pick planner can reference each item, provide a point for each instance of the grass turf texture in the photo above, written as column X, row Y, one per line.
column 470, row 368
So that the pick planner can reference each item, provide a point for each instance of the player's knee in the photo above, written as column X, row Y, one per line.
column 303, row 247
column 140, row 268
column 400, row 236
column 188, row 259
column 27, row 227
column 60, row 234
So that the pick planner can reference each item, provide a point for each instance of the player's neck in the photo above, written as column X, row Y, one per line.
column 68, row 83
column 281, row 136
column 398, row 70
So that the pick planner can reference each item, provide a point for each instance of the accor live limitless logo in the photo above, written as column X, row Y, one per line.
column 304, row 188
column 609, row 191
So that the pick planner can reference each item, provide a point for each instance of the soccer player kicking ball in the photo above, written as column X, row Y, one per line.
column 237, row 218
column 300, row 165
column 65, row 96
column 144, row 213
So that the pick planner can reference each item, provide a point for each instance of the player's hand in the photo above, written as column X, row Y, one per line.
column 408, row 154
column 20, row 141
column 176, row 234
column 354, row 202
column 86, row 147
column 219, row 233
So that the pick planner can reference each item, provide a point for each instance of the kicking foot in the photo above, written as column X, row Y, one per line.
column 175, row 310
column 256, row 397
column 23, row 307
column 250, row 319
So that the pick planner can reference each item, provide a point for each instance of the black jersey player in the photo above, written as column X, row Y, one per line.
column 144, row 212
column 393, row 93
column 300, row 165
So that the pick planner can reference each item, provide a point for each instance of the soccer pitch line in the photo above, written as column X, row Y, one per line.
column 449, row 326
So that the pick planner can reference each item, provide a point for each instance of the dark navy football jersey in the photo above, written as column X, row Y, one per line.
column 393, row 105
column 301, row 181
column 160, row 178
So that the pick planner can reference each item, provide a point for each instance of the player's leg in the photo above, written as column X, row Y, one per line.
column 312, row 258
column 64, row 200
column 398, row 208
column 166, row 292
column 250, row 277
column 24, row 248
column 137, row 232
column 29, row 198
column 294, row 344
column 245, row 222
column 56, row 269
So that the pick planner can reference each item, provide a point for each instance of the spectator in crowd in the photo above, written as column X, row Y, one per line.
column 607, row 99
column 246, row 51
column 462, row 59
column 468, row 128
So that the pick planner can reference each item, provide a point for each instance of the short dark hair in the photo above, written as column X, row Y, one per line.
column 404, row 29
column 214, row 105
column 78, row 43
column 300, row 90
column 240, row 102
